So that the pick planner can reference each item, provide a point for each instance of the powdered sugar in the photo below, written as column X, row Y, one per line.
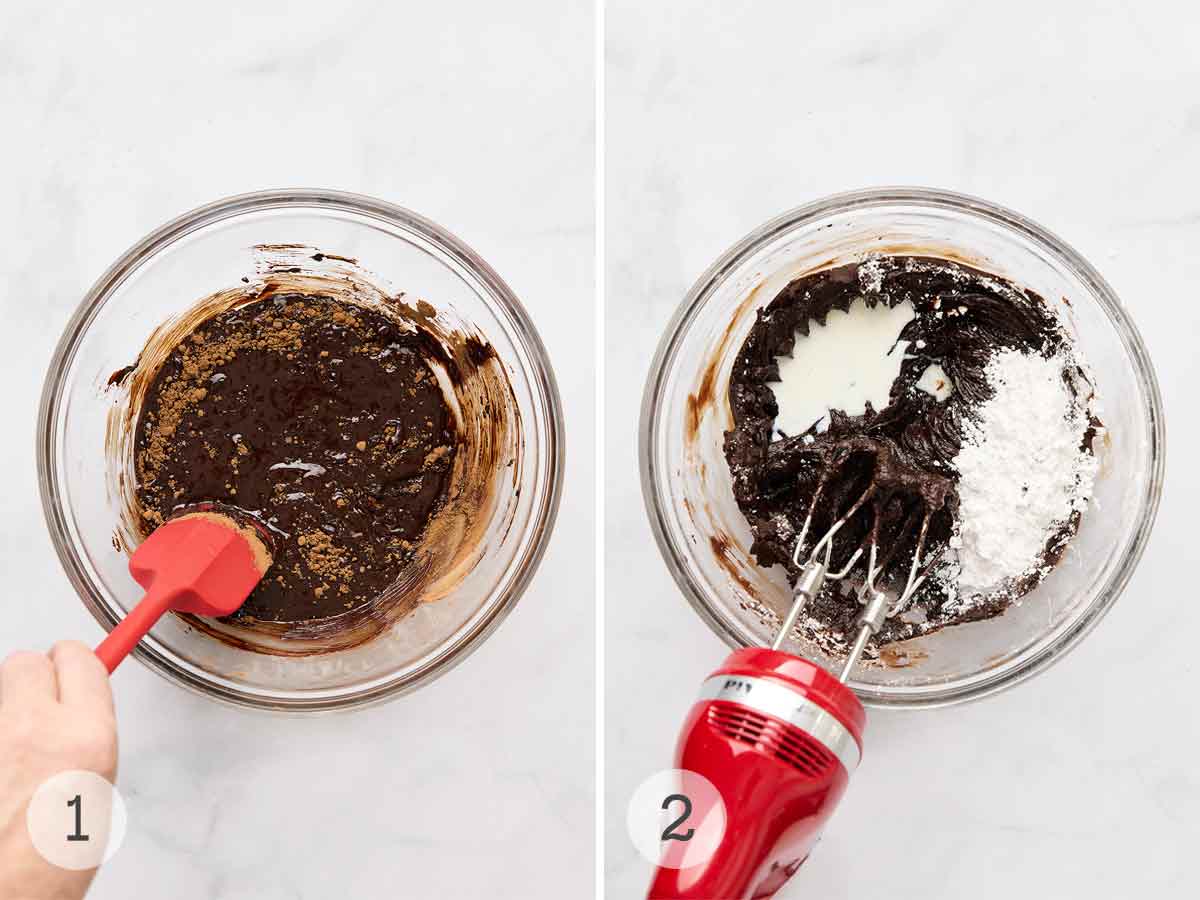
column 1023, row 473
column 870, row 275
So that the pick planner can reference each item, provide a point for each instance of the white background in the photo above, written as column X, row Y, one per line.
column 115, row 117
column 1086, row 117
column 1083, row 116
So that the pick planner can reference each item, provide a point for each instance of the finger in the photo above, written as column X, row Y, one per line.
column 82, row 678
column 27, row 678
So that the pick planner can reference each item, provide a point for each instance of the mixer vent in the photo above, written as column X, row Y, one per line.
column 788, row 745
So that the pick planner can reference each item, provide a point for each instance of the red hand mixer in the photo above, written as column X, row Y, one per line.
column 777, row 735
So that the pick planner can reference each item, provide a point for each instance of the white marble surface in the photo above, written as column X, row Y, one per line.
column 1086, row 117
column 121, row 115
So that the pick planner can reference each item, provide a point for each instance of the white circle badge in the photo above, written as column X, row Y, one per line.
column 676, row 819
column 76, row 820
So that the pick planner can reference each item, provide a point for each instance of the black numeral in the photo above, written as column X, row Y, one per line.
column 669, row 833
column 77, row 835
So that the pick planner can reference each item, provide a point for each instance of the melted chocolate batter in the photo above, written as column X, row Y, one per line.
column 321, row 419
column 962, row 317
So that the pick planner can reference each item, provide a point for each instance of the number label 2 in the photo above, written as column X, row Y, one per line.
column 669, row 833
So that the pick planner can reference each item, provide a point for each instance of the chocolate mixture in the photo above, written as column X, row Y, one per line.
column 962, row 317
column 321, row 419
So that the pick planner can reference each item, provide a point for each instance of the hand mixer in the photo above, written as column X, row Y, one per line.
column 777, row 735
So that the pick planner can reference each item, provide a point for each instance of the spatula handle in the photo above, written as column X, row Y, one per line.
column 122, row 639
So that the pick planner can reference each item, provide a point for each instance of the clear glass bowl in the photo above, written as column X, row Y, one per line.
column 208, row 250
column 685, row 412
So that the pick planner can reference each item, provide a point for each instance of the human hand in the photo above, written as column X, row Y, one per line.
column 56, row 713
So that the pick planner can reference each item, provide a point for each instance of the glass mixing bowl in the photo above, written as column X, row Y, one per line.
column 685, row 412
column 211, row 249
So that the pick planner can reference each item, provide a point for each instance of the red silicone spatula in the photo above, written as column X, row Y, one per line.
column 205, row 563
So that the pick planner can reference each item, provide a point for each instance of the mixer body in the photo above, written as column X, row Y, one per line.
column 778, row 737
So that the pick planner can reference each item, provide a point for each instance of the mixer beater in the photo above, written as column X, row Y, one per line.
column 930, row 496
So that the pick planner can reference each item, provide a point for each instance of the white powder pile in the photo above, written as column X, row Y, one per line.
column 1022, row 470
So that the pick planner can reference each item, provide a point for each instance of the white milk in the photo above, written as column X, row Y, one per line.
column 935, row 382
column 849, row 361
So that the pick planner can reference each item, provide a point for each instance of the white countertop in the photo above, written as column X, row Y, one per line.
column 117, row 118
column 1081, row 783
column 1078, row 784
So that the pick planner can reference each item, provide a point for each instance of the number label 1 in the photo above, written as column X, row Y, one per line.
column 77, row 834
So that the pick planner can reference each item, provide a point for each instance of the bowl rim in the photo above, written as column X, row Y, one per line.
column 933, row 198
column 541, row 376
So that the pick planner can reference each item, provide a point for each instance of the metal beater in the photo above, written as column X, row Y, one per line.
column 875, row 602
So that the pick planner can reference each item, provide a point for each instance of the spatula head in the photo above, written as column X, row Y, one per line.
column 212, row 560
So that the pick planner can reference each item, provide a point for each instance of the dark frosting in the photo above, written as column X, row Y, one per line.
column 322, row 419
column 962, row 317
